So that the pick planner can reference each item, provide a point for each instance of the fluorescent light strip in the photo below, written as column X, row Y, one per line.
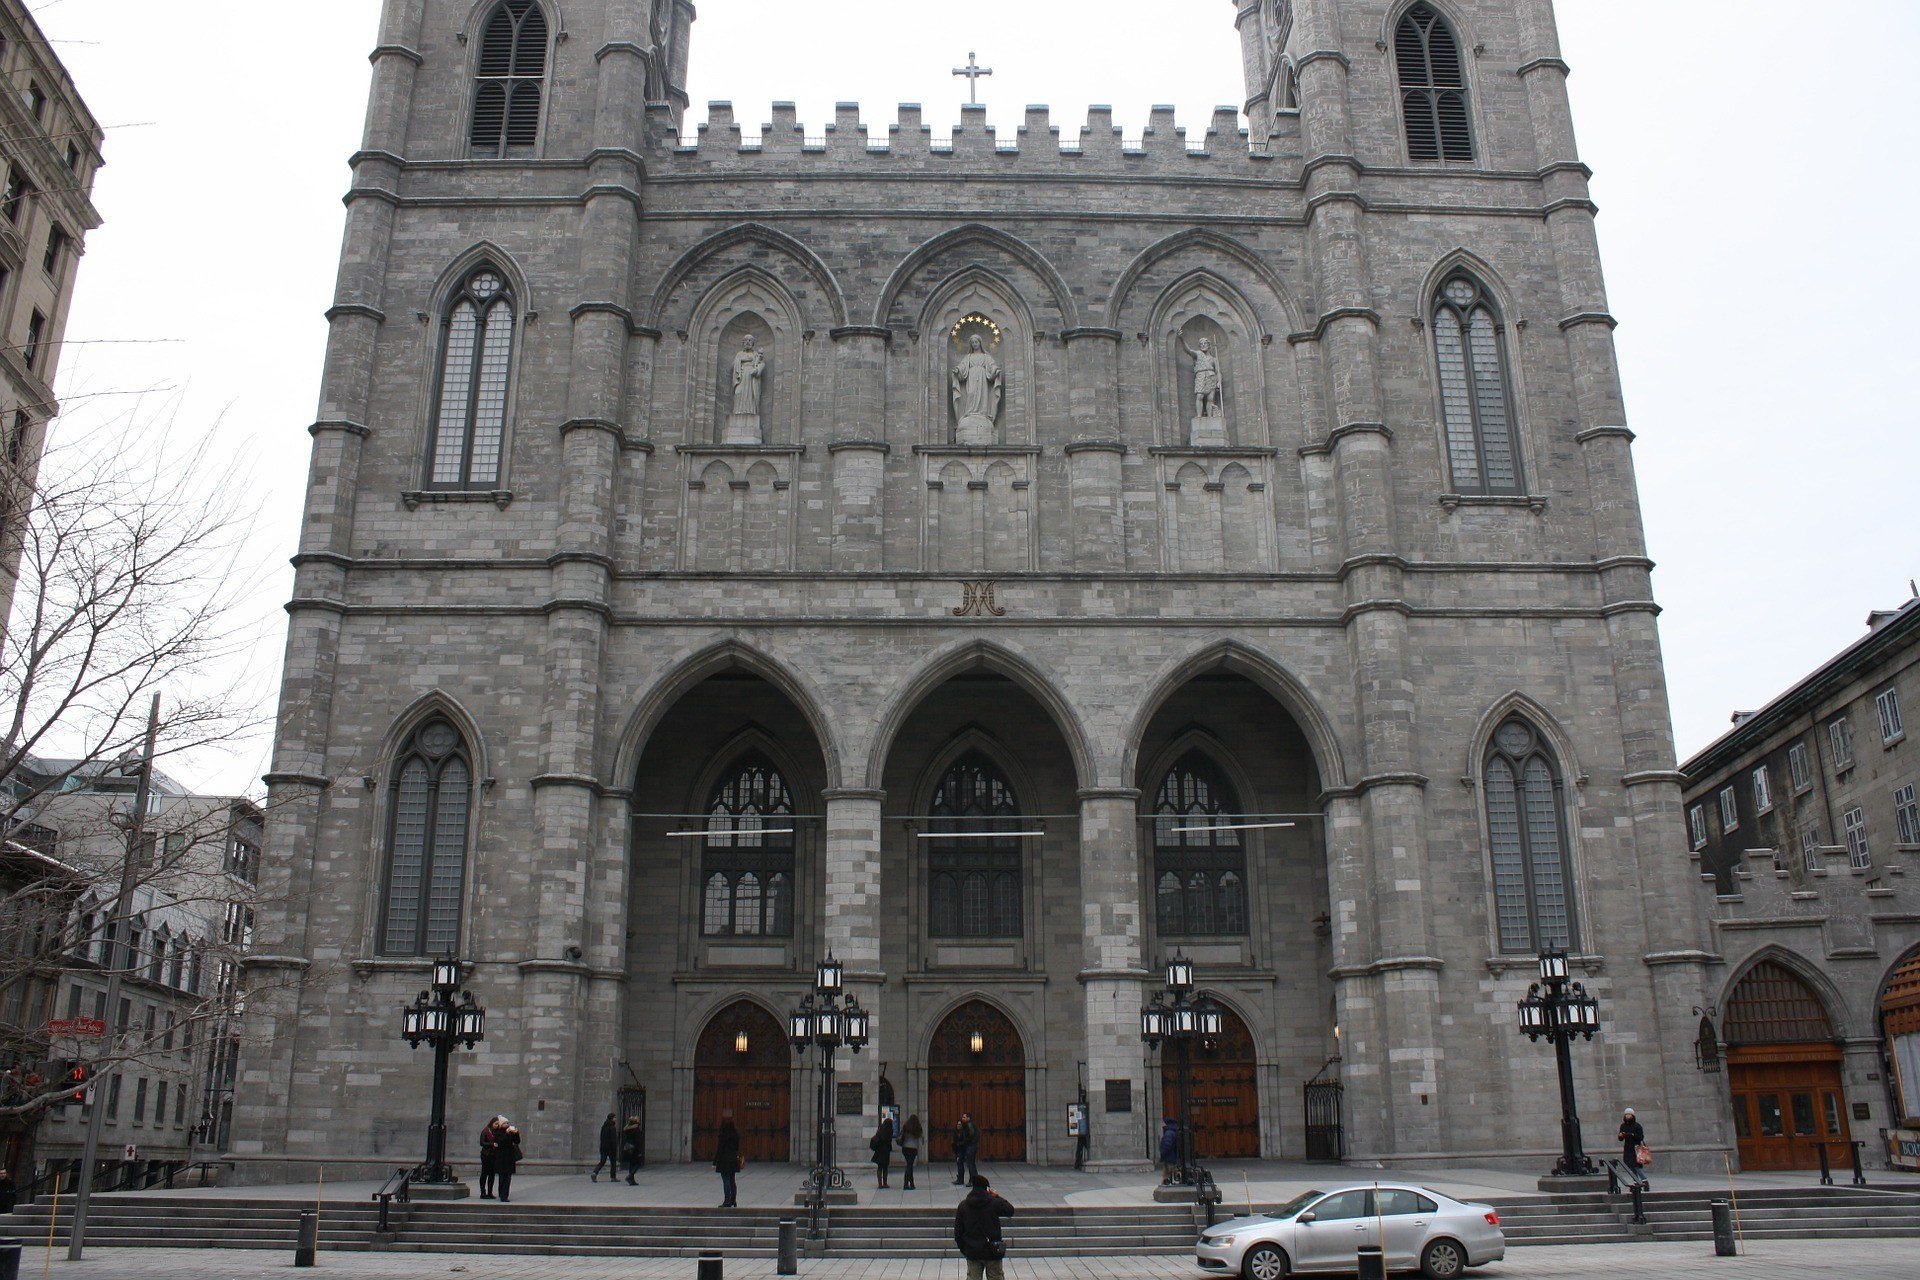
column 1237, row 826
column 980, row 835
column 764, row 831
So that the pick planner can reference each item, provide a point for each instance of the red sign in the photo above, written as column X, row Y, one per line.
column 77, row 1027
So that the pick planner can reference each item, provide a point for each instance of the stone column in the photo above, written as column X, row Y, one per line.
column 1094, row 459
column 1112, row 973
column 860, row 452
column 851, row 927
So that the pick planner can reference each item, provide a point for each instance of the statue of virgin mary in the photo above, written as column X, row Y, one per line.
column 977, row 391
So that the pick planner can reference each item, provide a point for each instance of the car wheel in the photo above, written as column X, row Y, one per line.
column 1443, row 1260
column 1264, row 1262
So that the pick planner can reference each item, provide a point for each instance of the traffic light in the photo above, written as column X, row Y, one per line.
column 79, row 1081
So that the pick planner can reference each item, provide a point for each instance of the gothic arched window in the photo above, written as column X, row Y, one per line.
column 1200, row 871
column 430, row 796
column 511, row 78
column 1470, row 346
column 476, row 363
column 974, row 860
column 1526, row 822
column 748, row 862
column 1433, row 86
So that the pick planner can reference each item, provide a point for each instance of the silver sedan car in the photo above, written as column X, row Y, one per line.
column 1417, row 1229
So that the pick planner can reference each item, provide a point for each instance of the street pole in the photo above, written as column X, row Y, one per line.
column 437, row 1125
column 1573, row 1155
column 119, row 959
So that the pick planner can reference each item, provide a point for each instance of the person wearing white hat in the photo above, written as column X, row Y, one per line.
column 1633, row 1140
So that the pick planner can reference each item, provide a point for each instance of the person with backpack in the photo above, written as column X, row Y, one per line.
column 609, row 1149
column 976, row 1231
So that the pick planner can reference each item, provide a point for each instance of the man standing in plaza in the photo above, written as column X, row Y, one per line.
column 976, row 1230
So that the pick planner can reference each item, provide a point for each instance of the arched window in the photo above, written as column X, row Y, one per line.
column 1772, row 1005
column 1470, row 346
column 470, row 414
column 748, row 862
column 1526, row 821
column 1433, row 87
column 430, row 795
column 1191, row 851
column 512, row 76
column 974, row 862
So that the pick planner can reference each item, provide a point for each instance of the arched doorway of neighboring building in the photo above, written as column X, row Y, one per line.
column 976, row 1065
column 1900, row 1029
column 1784, row 1072
column 741, row 1064
column 1224, row 1092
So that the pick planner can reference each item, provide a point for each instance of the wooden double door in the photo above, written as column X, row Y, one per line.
column 1224, row 1088
column 742, row 1064
column 977, row 1065
column 1788, row 1100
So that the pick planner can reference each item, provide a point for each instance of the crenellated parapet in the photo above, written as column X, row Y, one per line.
column 1775, row 894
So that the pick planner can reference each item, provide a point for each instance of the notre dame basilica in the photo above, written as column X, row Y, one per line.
column 1002, row 564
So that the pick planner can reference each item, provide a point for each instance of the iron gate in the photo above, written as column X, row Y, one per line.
column 1326, row 1140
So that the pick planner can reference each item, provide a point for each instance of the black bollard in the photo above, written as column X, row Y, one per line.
column 1372, row 1263
column 1826, row 1169
column 9, row 1259
column 308, row 1243
column 712, row 1267
column 789, row 1248
column 1723, row 1229
column 1859, row 1174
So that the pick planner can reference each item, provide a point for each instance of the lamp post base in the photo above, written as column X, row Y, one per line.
column 1578, row 1184
column 1174, row 1193
column 438, row 1191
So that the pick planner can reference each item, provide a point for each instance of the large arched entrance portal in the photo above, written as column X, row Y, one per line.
column 1224, row 1091
column 1783, row 1069
column 1900, row 1025
column 741, row 1064
column 976, row 1065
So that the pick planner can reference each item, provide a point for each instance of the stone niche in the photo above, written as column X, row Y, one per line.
column 977, row 398
column 1202, row 319
column 748, row 305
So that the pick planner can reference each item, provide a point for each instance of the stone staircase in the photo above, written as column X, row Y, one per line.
column 236, row 1222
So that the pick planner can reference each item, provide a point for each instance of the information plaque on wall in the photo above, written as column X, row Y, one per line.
column 852, row 1098
column 1119, row 1097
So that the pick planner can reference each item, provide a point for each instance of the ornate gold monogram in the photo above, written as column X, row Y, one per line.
column 979, row 601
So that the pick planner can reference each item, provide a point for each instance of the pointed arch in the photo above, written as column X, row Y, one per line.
column 1199, row 238
column 512, row 43
column 478, row 254
column 1461, row 260
column 1242, row 659
column 1838, row 1009
column 427, row 836
column 1431, row 74
column 978, row 233
column 731, row 654
column 1544, row 722
column 981, row 655
column 954, row 1003
column 747, row 233
column 439, row 702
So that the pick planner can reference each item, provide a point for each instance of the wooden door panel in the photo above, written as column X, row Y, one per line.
column 996, row 1097
column 1784, row 1109
column 761, row 1105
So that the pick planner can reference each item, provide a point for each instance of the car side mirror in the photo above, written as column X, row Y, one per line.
column 1305, row 1218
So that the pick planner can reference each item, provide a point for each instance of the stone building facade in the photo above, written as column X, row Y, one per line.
column 1076, row 496
column 1805, row 821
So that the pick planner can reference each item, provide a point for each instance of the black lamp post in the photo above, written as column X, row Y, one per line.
column 1178, row 1018
column 435, row 1019
column 827, row 1018
column 1557, row 1009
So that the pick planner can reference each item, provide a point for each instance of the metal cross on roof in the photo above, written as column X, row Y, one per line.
column 973, row 71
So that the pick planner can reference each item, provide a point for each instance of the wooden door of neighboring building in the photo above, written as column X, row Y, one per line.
column 1224, row 1090
column 977, row 1065
column 742, row 1064
column 1787, row 1100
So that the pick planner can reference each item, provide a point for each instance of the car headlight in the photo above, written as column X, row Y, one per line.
column 1220, row 1242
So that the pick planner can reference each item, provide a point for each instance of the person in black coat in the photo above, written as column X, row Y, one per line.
column 9, row 1193
column 489, row 1156
column 1632, row 1138
column 966, row 1151
column 609, row 1149
column 630, row 1148
column 881, row 1145
column 727, row 1161
column 976, row 1230
column 507, row 1156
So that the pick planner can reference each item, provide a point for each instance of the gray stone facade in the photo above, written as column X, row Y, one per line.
column 1313, row 603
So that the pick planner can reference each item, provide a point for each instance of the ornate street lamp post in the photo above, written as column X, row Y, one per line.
column 1178, row 1018
column 1558, row 1010
column 435, row 1019
column 827, row 1018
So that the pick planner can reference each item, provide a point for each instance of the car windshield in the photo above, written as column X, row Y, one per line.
column 1298, row 1203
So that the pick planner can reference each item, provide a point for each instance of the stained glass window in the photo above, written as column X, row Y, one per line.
column 1195, row 845
column 974, row 862
column 476, row 364
column 430, row 798
column 1526, row 824
column 1470, row 349
column 748, row 862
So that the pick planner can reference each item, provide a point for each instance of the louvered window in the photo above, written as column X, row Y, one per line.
column 1470, row 349
column 1200, row 862
column 512, row 78
column 470, row 417
column 1433, row 87
column 748, row 865
column 974, row 871
column 1526, row 821
column 430, row 798
column 1772, row 1005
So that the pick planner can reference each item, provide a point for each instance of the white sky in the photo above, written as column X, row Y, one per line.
column 1757, row 184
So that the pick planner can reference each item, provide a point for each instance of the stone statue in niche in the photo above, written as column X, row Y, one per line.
column 1209, row 425
column 749, row 376
column 978, row 388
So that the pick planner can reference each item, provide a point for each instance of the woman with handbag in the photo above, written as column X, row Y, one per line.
column 911, row 1136
column 882, row 1148
column 727, row 1161
column 1633, row 1142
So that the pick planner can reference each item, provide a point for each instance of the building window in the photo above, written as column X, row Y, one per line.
column 1906, row 812
column 1729, row 810
column 1433, row 87
column 1810, row 848
column 512, row 76
column 470, row 415
column 140, row 1100
column 748, row 863
column 1200, row 866
column 22, row 426
column 1697, row 824
column 1892, row 729
column 1470, row 346
column 113, row 1096
column 1858, row 854
column 1840, row 735
column 1771, row 1005
column 429, row 795
column 13, row 199
column 37, row 101
column 974, row 859
column 73, row 156
column 1526, row 822
column 1762, row 791
column 36, row 334
column 1798, row 769
column 243, row 859
column 56, row 246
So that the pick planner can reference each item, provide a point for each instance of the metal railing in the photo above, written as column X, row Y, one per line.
column 395, row 1188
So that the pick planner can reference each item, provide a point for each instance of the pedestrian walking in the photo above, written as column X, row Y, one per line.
column 630, row 1148
column 508, row 1158
column 911, row 1136
column 976, row 1230
column 609, row 1149
column 728, row 1161
column 881, row 1144
column 1633, row 1146
column 489, row 1156
column 1169, row 1150
column 9, row 1193
column 966, row 1151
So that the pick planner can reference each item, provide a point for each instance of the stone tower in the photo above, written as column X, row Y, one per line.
column 1002, row 565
